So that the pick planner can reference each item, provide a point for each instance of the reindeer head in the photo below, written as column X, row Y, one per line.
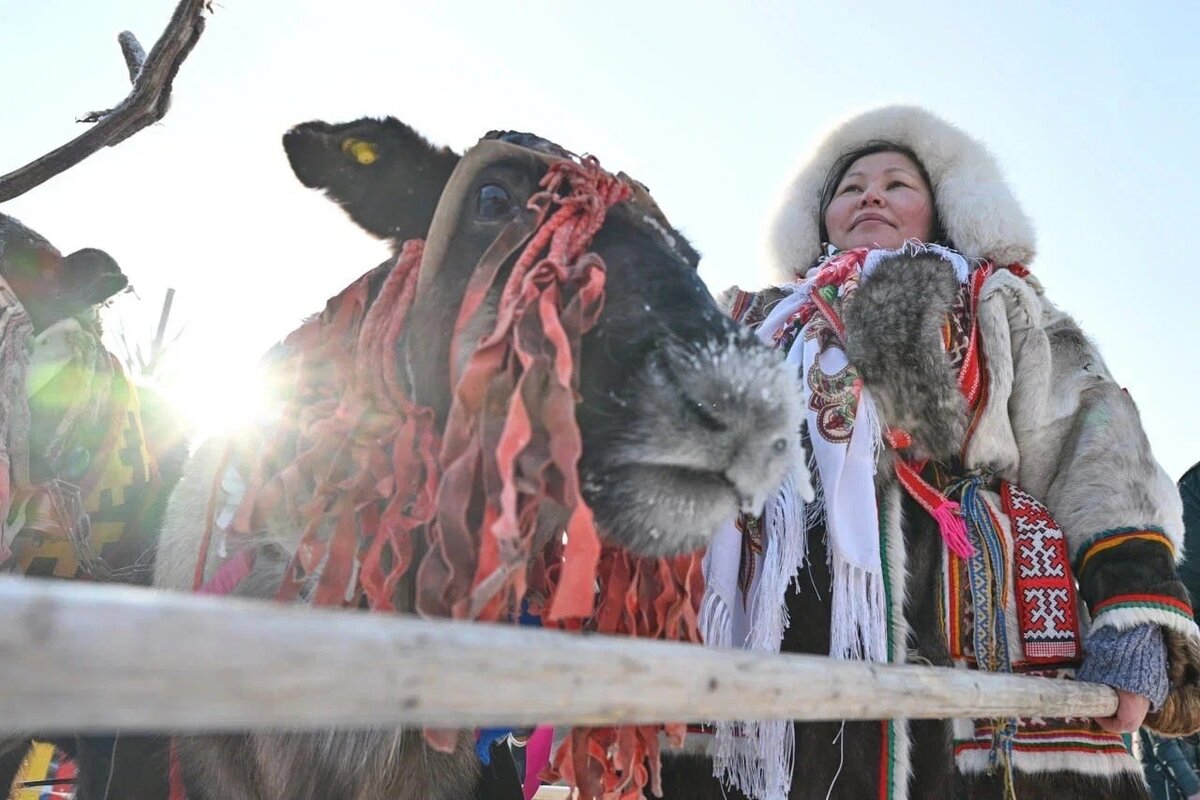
column 52, row 286
column 684, row 417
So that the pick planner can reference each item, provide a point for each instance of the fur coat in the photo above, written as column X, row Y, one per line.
column 1054, row 422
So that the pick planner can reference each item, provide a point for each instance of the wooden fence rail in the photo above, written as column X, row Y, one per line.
column 80, row 657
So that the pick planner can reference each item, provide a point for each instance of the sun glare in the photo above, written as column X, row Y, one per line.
column 212, row 387
column 215, row 398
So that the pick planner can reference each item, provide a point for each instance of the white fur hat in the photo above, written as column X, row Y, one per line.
column 977, row 209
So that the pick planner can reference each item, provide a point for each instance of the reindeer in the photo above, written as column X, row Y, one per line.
column 683, row 417
column 59, row 442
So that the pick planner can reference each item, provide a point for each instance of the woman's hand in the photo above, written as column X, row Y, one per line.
column 1131, row 712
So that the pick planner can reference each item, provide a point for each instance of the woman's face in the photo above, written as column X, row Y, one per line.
column 882, row 201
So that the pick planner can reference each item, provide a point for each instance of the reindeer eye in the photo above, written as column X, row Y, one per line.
column 493, row 202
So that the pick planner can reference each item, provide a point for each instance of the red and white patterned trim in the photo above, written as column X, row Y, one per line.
column 1043, row 583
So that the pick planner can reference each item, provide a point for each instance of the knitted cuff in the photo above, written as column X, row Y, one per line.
column 1134, row 659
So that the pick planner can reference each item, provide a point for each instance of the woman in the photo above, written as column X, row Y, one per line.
column 987, row 498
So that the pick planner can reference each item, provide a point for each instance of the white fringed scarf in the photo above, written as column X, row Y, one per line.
column 757, row 756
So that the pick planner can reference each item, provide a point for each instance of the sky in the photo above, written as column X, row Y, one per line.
column 1091, row 109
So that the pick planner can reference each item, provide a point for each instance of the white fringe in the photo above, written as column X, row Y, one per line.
column 867, row 415
column 858, row 629
column 715, row 621
column 962, row 268
column 814, row 512
column 758, row 756
column 785, row 550
column 717, row 608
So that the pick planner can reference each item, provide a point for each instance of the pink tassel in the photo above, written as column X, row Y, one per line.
column 953, row 529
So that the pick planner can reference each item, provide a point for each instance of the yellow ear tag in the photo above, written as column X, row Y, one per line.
column 361, row 151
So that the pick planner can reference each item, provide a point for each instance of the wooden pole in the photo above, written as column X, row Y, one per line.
column 80, row 657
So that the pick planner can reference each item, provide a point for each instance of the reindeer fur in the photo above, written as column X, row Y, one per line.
column 893, row 336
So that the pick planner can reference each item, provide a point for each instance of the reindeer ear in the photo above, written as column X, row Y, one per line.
column 329, row 156
column 384, row 174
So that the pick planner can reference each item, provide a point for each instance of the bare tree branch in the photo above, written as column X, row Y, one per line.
column 135, row 56
column 146, row 104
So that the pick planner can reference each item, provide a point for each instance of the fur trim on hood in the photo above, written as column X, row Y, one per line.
column 978, row 210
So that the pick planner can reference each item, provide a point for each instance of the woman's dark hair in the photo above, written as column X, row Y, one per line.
column 842, row 166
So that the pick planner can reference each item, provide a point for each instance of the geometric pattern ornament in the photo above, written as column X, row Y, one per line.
column 1043, row 583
